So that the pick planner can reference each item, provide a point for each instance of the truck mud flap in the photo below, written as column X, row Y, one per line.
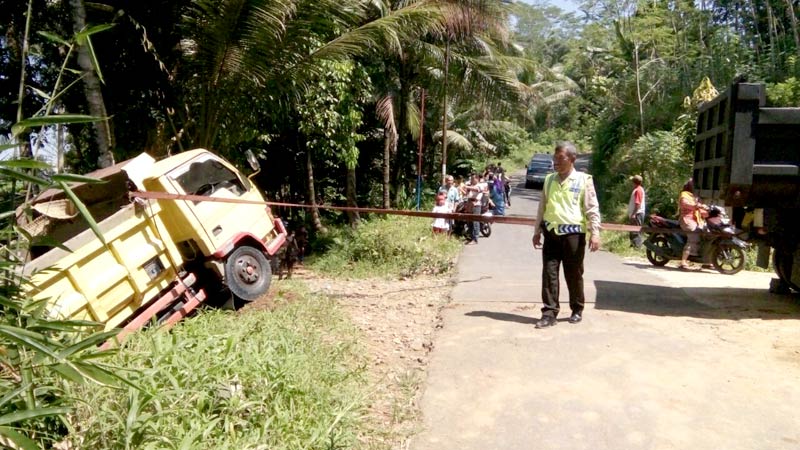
column 180, row 289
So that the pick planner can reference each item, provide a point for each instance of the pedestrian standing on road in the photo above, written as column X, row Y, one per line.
column 506, row 184
column 451, row 193
column 636, row 210
column 567, row 210
column 475, row 195
column 496, row 194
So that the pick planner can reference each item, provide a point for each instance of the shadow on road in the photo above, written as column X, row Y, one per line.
column 505, row 317
column 717, row 303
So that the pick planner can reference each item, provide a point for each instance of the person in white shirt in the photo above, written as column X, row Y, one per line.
column 441, row 225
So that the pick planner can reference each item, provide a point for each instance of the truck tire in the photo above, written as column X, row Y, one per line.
column 729, row 258
column 783, row 262
column 247, row 273
column 656, row 260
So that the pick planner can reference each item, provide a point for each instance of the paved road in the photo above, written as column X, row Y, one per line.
column 712, row 365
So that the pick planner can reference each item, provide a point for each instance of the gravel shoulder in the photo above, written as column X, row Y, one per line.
column 398, row 319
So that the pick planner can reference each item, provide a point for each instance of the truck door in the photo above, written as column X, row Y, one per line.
column 207, row 175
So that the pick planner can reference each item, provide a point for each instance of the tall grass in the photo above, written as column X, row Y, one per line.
column 387, row 247
column 291, row 378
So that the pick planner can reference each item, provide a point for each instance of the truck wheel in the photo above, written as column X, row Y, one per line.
column 783, row 262
column 247, row 273
column 662, row 243
column 729, row 258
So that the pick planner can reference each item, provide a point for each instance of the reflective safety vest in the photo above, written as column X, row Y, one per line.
column 566, row 203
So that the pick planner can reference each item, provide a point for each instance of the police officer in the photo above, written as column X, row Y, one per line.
column 567, row 210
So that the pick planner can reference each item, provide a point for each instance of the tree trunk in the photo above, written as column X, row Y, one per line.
column 350, row 193
column 23, row 139
column 389, row 148
column 759, row 41
column 312, row 195
column 91, row 87
column 773, row 37
column 638, row 87
column 793, row 22
column 401, row 156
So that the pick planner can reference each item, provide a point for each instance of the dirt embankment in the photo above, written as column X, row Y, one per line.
column 398, row 319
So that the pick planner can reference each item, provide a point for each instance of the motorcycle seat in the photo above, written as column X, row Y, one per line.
column 660, row 222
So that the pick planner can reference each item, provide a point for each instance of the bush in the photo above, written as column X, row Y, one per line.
column 290, row 378
column 391, row 246
column 665, row 164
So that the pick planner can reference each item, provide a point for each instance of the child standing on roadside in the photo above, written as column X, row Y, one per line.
column 441, row 225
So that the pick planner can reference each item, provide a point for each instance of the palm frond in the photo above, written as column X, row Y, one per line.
column 384, row 108
column 413, row 118
column 386, row 34
column 454, row 139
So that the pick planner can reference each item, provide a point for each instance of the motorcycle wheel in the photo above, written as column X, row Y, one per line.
column 662, row 243
column 729, row 258
column 486, row 229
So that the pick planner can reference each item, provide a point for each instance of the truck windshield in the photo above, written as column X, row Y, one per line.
column 208, row 176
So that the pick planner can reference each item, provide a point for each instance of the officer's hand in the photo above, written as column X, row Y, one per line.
column 594, row 243
column 537, row 240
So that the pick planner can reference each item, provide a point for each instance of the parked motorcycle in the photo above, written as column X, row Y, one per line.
column 719, row 244
column 461, row 228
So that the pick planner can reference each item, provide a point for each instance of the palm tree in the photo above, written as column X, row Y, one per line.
column 468, row 41
column 90, row 72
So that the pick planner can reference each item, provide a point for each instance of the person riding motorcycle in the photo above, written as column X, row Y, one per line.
column 692, row 218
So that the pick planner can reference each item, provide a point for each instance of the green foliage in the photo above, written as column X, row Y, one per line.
column 390, row 247
column 786, row 93
column 289, row 378
column 665, row 163
column 331, row 113
column 38, row 353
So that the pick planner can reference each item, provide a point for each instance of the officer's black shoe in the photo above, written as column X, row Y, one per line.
column 546, row 321
column 575, row 318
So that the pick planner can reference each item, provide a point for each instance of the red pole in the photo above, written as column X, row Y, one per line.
column 421, row 144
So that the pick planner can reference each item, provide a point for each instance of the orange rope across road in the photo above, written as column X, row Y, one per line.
column 513, row 220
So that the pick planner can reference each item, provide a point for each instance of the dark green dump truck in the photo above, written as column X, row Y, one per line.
column 747, row 158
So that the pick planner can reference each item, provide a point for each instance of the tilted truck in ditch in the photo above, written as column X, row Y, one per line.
column 747, row 158
column 156, row 258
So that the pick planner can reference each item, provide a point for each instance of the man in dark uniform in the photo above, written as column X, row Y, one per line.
column 567, row 210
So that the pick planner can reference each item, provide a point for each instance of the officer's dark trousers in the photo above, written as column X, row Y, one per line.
column 568, row 250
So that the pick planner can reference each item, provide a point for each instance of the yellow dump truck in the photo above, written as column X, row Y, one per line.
column 157, row 257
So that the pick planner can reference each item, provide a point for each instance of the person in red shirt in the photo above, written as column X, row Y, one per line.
column 636, row 210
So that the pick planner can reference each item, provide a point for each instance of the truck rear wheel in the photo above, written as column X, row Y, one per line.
column 783, row 262
column 247, row 273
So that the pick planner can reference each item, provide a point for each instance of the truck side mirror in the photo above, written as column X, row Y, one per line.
column 252, row 160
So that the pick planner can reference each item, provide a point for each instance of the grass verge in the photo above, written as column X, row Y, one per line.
column 395, row 246
column 291, row 378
